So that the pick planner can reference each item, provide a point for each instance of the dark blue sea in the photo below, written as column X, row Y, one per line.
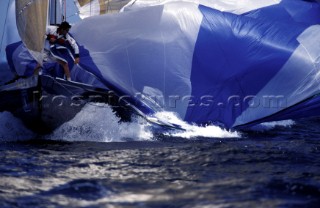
column 95, row 161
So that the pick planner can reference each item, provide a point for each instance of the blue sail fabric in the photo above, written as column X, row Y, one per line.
column 237, row 55
column 233, row 63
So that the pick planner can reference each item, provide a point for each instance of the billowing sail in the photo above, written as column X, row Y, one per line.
column 88, row 8
column 235, row 63
column 229, row 62
column 31, row 18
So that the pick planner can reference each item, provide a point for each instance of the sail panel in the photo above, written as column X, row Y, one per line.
column 31, row 18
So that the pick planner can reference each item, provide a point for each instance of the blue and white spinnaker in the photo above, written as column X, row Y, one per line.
column 233, row 63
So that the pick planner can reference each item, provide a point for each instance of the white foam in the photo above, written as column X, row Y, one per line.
column 271, row 125
column 99, row 123
column 194, row 131
column 12, row 128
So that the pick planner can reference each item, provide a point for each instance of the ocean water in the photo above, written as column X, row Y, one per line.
column 95, row 161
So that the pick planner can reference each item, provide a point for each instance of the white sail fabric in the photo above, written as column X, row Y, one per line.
column 88, row 8
column 138, row 48
column 232, row 6
column 31, row 18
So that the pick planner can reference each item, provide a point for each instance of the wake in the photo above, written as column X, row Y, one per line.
column 99, row 123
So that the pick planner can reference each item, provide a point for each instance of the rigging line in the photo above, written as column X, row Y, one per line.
column 5, row 23
column 55, row 12
column 65, row 10
column 164, row 64
column 133, row 2
column 127, row 52
column 90, row 8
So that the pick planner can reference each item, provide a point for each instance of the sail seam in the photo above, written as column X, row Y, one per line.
column 129, row 67
column 25, row 7
column 305, row 48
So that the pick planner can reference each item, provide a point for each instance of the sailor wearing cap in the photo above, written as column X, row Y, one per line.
column 60, row 41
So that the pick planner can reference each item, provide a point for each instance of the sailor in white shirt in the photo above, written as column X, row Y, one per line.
column 59, row 39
